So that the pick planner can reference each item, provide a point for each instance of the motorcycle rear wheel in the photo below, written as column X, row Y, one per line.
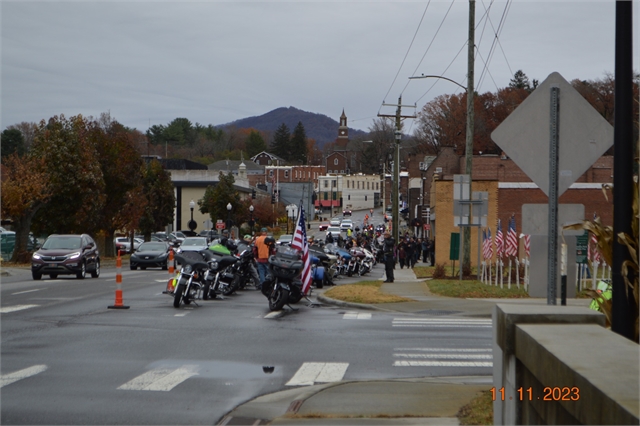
column 278, row 298
column 295, row 298
column 177, row 296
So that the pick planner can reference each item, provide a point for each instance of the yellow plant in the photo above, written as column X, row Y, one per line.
column 630, row 268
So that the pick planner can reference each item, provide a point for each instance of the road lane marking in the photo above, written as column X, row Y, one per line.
column 442, row 364
column 445, row 356
column 445, row 349
column 7, row 379
column 26, row 291
column 161, row 379
column 318, row 372
column 356, row 315
column 442, row 322
column 8, row 309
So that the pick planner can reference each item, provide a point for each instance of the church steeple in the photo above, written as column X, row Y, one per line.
column 343, row 130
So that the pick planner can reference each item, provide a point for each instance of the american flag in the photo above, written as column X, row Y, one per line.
column 512, row 238
column 593, row 250
column 300, row 242
column 499, row 240
column 527, row 245
column 486, row 244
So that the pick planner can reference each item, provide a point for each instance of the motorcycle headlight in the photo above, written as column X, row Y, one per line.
column 213, row 264
column 187, row 268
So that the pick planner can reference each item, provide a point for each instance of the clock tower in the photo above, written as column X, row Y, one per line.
column 343, row 130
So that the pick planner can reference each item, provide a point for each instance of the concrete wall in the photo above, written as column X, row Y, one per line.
column 554, row 351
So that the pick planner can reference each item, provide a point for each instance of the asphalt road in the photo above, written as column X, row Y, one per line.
column 67, row 359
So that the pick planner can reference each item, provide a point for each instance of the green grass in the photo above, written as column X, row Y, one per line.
column 474, row 289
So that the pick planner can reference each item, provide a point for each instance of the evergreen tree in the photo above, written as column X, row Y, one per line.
column 281, row 145
column 255, row 143
column 299, row 145
column 521, row 81
column 12, row 141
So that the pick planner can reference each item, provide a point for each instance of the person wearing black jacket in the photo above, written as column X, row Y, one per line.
column 388, row 247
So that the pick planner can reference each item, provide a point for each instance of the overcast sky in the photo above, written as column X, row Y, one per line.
column 214, row 62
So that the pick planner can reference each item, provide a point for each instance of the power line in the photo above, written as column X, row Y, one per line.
column 493, row 44
column 409, row 49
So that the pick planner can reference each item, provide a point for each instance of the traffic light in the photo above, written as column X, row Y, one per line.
column 253, row 194
column 273, row 198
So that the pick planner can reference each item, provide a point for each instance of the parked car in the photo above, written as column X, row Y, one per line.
column 169, row 238
column 346, row 212
column 66, row 255
column 124, row 244
column 8, row 243
column 152, row 254
column 323, row 226
column 178, row 235
column 284, row 239
column 193, row 244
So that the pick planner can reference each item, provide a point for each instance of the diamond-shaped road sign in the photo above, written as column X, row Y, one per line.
column 584, row 135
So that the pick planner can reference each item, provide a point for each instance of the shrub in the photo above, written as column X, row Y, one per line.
column 439, row 271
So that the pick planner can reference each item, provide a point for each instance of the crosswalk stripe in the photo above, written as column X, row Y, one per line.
column 356, row 315
column 442, row 364
column 7, row 379
column 15, row 308
column 161, row 379
column 446, row 356
column 470, row 320
column 318, row 372
column 441, row 325
column 445, row 349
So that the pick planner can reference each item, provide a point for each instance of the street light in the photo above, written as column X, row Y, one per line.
column 229, row 207
column 192, row 224
column 251, row 219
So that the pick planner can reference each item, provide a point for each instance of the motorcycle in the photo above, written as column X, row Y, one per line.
column 283, row 285
column 190, row 280
column 219, row 277
column 245, row 270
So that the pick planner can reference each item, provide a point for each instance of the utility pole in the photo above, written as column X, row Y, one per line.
column 466, row 259
column 395, row 200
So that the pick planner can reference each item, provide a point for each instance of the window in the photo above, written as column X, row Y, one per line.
column 377, row 188
column 347, row 184
column 365, row 198
column 326, row 195
column 328, row 171
column 341, row 171
column 326, row 183
column 349, row 197
column 367, row 185
column 335, row 162
column 358, row 184
column 333, row 183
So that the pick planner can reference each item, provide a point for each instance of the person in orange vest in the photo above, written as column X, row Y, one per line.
column 264, row 244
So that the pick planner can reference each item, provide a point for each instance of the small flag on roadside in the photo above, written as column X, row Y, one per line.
column 499, row 240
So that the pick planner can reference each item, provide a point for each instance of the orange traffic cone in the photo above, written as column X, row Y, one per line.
column 118, row 304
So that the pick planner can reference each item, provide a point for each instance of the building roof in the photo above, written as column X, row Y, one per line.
column 180, row 164
column 268, row 154
column 233, row 165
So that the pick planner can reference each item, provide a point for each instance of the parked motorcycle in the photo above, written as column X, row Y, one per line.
column 283, row 285
column 190, row 280
column 220, row 277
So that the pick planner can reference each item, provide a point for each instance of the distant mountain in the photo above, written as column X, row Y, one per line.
column 317, row 126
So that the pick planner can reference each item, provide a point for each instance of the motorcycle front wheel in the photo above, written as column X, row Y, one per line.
column 278, row 298
column 177, row 296
column 205, row 291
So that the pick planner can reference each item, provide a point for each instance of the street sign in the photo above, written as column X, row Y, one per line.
column 582, row 245
column 219, row 224
column 584, row 135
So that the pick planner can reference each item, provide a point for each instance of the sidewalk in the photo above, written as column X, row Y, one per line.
column 417, row 401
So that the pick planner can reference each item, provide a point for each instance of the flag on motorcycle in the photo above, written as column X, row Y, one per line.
column 300, row 242
column 512, row 238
